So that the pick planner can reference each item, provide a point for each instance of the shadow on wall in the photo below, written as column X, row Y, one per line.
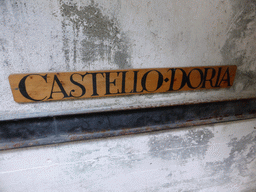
column 90, row 36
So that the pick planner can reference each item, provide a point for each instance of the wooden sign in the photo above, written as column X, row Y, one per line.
column 90, row 84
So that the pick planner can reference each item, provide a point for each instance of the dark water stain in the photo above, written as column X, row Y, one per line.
column 243, row 152
column 3, row 12
column 182, row 148
column 175, row 185
column 89, row 35
column 3, row 43
column 219, row 173
column 4, row 50
column 243, row 15
column 241, row 31
column 246, row 78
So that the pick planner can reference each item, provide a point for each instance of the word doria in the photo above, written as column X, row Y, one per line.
column 90, row 84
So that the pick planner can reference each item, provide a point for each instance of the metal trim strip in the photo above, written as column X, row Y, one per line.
column 59, row 129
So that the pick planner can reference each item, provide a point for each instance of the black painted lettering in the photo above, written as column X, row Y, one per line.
column 108, row 83
column 159, row 82
column 135, row 82
column 77, row 84
column 183, row 82
column 62, row 90
column 205, row 76
column 189, row 79
column 218, row 77
column 123, row 81
column 227, row 79
column 22, row 87
column 94, row 83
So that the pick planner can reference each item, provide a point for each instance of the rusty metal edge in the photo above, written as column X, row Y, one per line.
column 53, row 138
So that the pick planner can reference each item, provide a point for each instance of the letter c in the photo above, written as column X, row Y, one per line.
column 22, row 87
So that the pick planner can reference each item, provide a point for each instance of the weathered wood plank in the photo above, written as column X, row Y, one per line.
column 90, row 84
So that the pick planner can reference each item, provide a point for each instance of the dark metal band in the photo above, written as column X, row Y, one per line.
column 52, row 130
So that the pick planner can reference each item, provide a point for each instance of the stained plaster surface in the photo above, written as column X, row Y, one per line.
column 219, row 157
column 60, row 36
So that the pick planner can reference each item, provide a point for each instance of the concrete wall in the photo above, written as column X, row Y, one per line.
column 61, row 35
column 214, row 158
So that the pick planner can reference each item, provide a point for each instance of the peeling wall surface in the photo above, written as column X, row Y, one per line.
column 40, row 36
column 80, row 35
column 214, row 158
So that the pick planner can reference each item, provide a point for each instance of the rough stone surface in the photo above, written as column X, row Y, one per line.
column 219, row 157
column 63, row 35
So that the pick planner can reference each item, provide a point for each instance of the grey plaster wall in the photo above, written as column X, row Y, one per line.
column 62, row 35
column 213, row 158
